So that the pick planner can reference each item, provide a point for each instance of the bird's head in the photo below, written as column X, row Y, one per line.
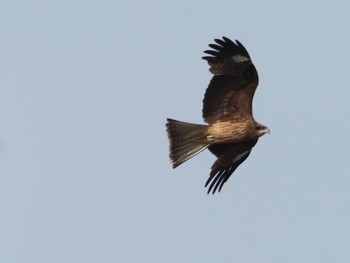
column 261, row 129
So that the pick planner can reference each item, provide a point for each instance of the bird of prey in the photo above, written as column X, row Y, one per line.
column 231, row 131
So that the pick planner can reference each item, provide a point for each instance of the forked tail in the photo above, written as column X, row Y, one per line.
column 186, row 140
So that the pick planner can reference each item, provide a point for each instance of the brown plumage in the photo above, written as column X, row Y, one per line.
column 231, row 132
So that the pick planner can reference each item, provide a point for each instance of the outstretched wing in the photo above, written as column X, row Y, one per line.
column 230, row 156
column 230, row 92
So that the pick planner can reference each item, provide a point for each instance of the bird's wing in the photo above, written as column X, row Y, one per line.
column 231, row 90
column 230, row 156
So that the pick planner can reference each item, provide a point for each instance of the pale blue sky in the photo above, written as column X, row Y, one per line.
column 85, row 176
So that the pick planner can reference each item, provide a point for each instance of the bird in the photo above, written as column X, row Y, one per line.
column 230, row 131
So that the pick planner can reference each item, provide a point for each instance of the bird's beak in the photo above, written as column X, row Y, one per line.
column 268, row 131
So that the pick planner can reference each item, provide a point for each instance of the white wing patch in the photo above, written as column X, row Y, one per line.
column 240, row 58
column 240, row 156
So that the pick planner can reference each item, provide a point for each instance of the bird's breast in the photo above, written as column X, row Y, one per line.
column 229, row 132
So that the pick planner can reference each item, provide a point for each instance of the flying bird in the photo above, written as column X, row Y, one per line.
column 231, row 131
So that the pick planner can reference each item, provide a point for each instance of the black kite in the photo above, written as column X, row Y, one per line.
column 231, row 132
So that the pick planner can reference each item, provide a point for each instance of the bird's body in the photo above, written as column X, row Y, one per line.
column 231, row 131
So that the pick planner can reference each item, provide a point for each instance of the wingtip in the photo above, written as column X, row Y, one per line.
column 174, row 165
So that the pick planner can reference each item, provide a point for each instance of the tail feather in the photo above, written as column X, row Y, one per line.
column 186, row 140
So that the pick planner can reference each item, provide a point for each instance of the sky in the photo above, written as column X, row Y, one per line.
column 86, row 87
